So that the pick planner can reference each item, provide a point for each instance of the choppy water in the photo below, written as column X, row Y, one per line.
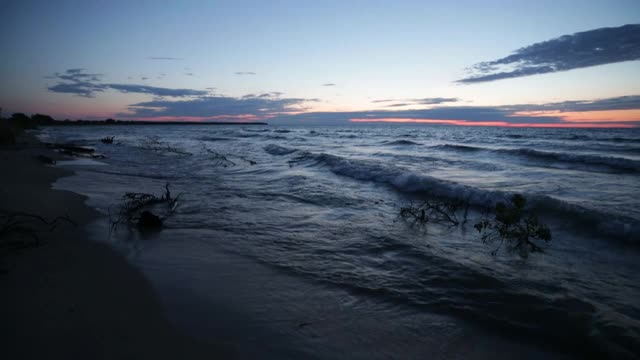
column 322, row 203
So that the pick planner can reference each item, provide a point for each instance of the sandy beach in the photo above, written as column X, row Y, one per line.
column 70, row 297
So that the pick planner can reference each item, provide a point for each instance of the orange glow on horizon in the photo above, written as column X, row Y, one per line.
column 493, row 123
column 599, row 116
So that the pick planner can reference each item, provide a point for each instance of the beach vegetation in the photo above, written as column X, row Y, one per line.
column 510, row 223
column 450, row 212
column 107, row 139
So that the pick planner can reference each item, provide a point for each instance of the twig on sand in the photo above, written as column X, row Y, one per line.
column 21, row 230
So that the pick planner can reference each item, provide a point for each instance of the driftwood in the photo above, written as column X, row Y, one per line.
column 135, row 210
column 217, row 158
column 21, row 230
column 76, row 150
column 250, row 162
column 451, row 212
column 154, row 144
column 45, row 159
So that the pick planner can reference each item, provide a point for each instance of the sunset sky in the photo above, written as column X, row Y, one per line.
column 507, row 63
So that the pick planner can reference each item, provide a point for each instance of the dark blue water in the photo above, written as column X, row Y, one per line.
column 322, row 204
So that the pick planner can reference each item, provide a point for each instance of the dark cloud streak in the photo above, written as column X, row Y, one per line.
column 423, row 101
column 152, row 90
column 515, row 114
column 77, row 82
column 579, row 50
column 212, row 106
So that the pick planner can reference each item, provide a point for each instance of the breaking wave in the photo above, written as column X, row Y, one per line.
column 610, row 225
column 580, row 161
column 401, row 142
column 274, row 149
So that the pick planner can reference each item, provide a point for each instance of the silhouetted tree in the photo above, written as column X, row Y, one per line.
column 41, row 119
column 22, row 121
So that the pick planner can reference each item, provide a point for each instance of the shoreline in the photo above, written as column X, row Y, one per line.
column 70, row 297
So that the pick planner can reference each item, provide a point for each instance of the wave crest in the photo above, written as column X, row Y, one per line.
column 274, row 149
column 606, row 224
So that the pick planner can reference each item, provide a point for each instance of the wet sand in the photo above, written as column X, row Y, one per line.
column 70, row 297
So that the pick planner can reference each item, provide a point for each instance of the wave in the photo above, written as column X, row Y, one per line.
column 213, row 138
column 456, row 147
column 575, row 137
column 482, row 297
column 623, row 139
column 607, row 224
column 274, row 149
column 614, row 163
column 400, row 142
column 579, row 161
column 513, row 136
column 276, row 137
column 619, row 139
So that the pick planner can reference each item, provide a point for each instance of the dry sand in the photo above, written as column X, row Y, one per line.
column 71, row 298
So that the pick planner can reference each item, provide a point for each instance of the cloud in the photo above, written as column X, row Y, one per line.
column 399, row 105
column 273, row 94
column 204, row 105
column 579, row 50
column 630, row 102
column 83, row 89
column 80, row 83
column 245, row 73
column 434, row 101
column 152, row 90
column 329, row 84
column 423, row 101
column 383, row 100
column 257, row 106
column 164, row 58
column 77, row 82
column 468, row 113
column 519, row 114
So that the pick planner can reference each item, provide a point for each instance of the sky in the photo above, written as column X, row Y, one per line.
column 499, row 63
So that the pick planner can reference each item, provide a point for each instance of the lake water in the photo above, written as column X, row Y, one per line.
column 310, row 216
